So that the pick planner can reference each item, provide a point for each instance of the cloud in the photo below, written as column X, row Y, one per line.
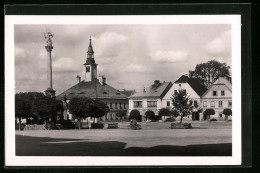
column 220, row 46
column 137, row 68
column 169, row 56
column 65, row 64
column 109, row 45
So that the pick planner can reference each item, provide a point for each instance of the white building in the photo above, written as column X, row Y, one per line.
column 218, row 97
column 191, row 86
column 150, row 98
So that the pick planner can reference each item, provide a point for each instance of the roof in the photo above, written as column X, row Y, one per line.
column 194, row 83
column 127, row 92
column 220, row 81
column 153, row 91
column 224, row 81
column 92, row 89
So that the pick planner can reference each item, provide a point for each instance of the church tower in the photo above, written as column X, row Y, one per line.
column 90, row 65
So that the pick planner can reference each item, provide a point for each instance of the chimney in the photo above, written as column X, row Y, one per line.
column 79, row 78
column 103, row 80
column 156, row 83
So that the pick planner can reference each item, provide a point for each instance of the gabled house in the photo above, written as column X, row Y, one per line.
column 149, row 98
column 218, row 97
column 191, row 86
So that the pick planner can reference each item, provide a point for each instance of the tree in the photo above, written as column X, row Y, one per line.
column 98, row 109
column 47, row 108
column 135, row 114
column 79, row 107
column 149, row 114
column 23, row 104
column 175, row 113
column 164, row 112
column 227, row 111
column 209, row 112
column 121, row 114
column 83, row 107
column 210, row 71
column 181, row 103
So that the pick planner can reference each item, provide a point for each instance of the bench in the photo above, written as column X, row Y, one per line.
column 112, row 126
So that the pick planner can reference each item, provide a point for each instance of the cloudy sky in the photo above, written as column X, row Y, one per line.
column 130, row 56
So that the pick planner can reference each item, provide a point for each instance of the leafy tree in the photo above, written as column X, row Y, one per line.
column 47, row 108
column 210, row 71
column 209, row 112
column 121, row 114
column 227, row 111
column 23, row 104
column 79, row 107
column 149, row 114
column 135, row 114
column 83, row 107
column 181, row 103
column 98, row 109
column 164, row 112
column 175, row 113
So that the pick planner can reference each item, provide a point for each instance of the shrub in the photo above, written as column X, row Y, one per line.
column 135, row 114
column 164, row 112
column 97, row 126
column 209, row 112
column 227, row 111
column 213, row 119
column 149, row 114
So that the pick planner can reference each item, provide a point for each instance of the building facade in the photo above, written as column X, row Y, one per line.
column 150, row 99
column 218, row 97
column 192, row 87
column 91, row 87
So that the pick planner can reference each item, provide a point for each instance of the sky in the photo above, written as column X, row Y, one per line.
column 130, row 56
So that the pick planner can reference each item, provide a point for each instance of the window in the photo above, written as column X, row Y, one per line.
column 179, row 85
column 124, row 106
column 195, row 103
column 175, row 92
column 204, row 104
column 116, row 105
column 138, row 104
column 220, row 104
column 184, row 91
column 120, row 105
column 151, row 103
column 168, row 103
column 212, row 104
column 111, row 105
column 220, row 115
column 88, row 69
column 222, row 92
column 229, row 103
column 214, row 93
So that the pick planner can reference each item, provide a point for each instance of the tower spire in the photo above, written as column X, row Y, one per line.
column 90, row 49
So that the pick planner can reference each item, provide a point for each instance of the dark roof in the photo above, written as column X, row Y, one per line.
column 153, row 91
column 194, row 83
column 127, row 92
column 92, row 89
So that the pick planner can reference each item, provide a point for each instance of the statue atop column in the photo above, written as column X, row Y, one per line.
column 48, row 37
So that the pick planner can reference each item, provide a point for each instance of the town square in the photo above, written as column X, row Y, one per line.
column 123, row 90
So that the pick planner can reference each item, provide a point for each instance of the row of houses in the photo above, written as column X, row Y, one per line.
column 157, row 96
